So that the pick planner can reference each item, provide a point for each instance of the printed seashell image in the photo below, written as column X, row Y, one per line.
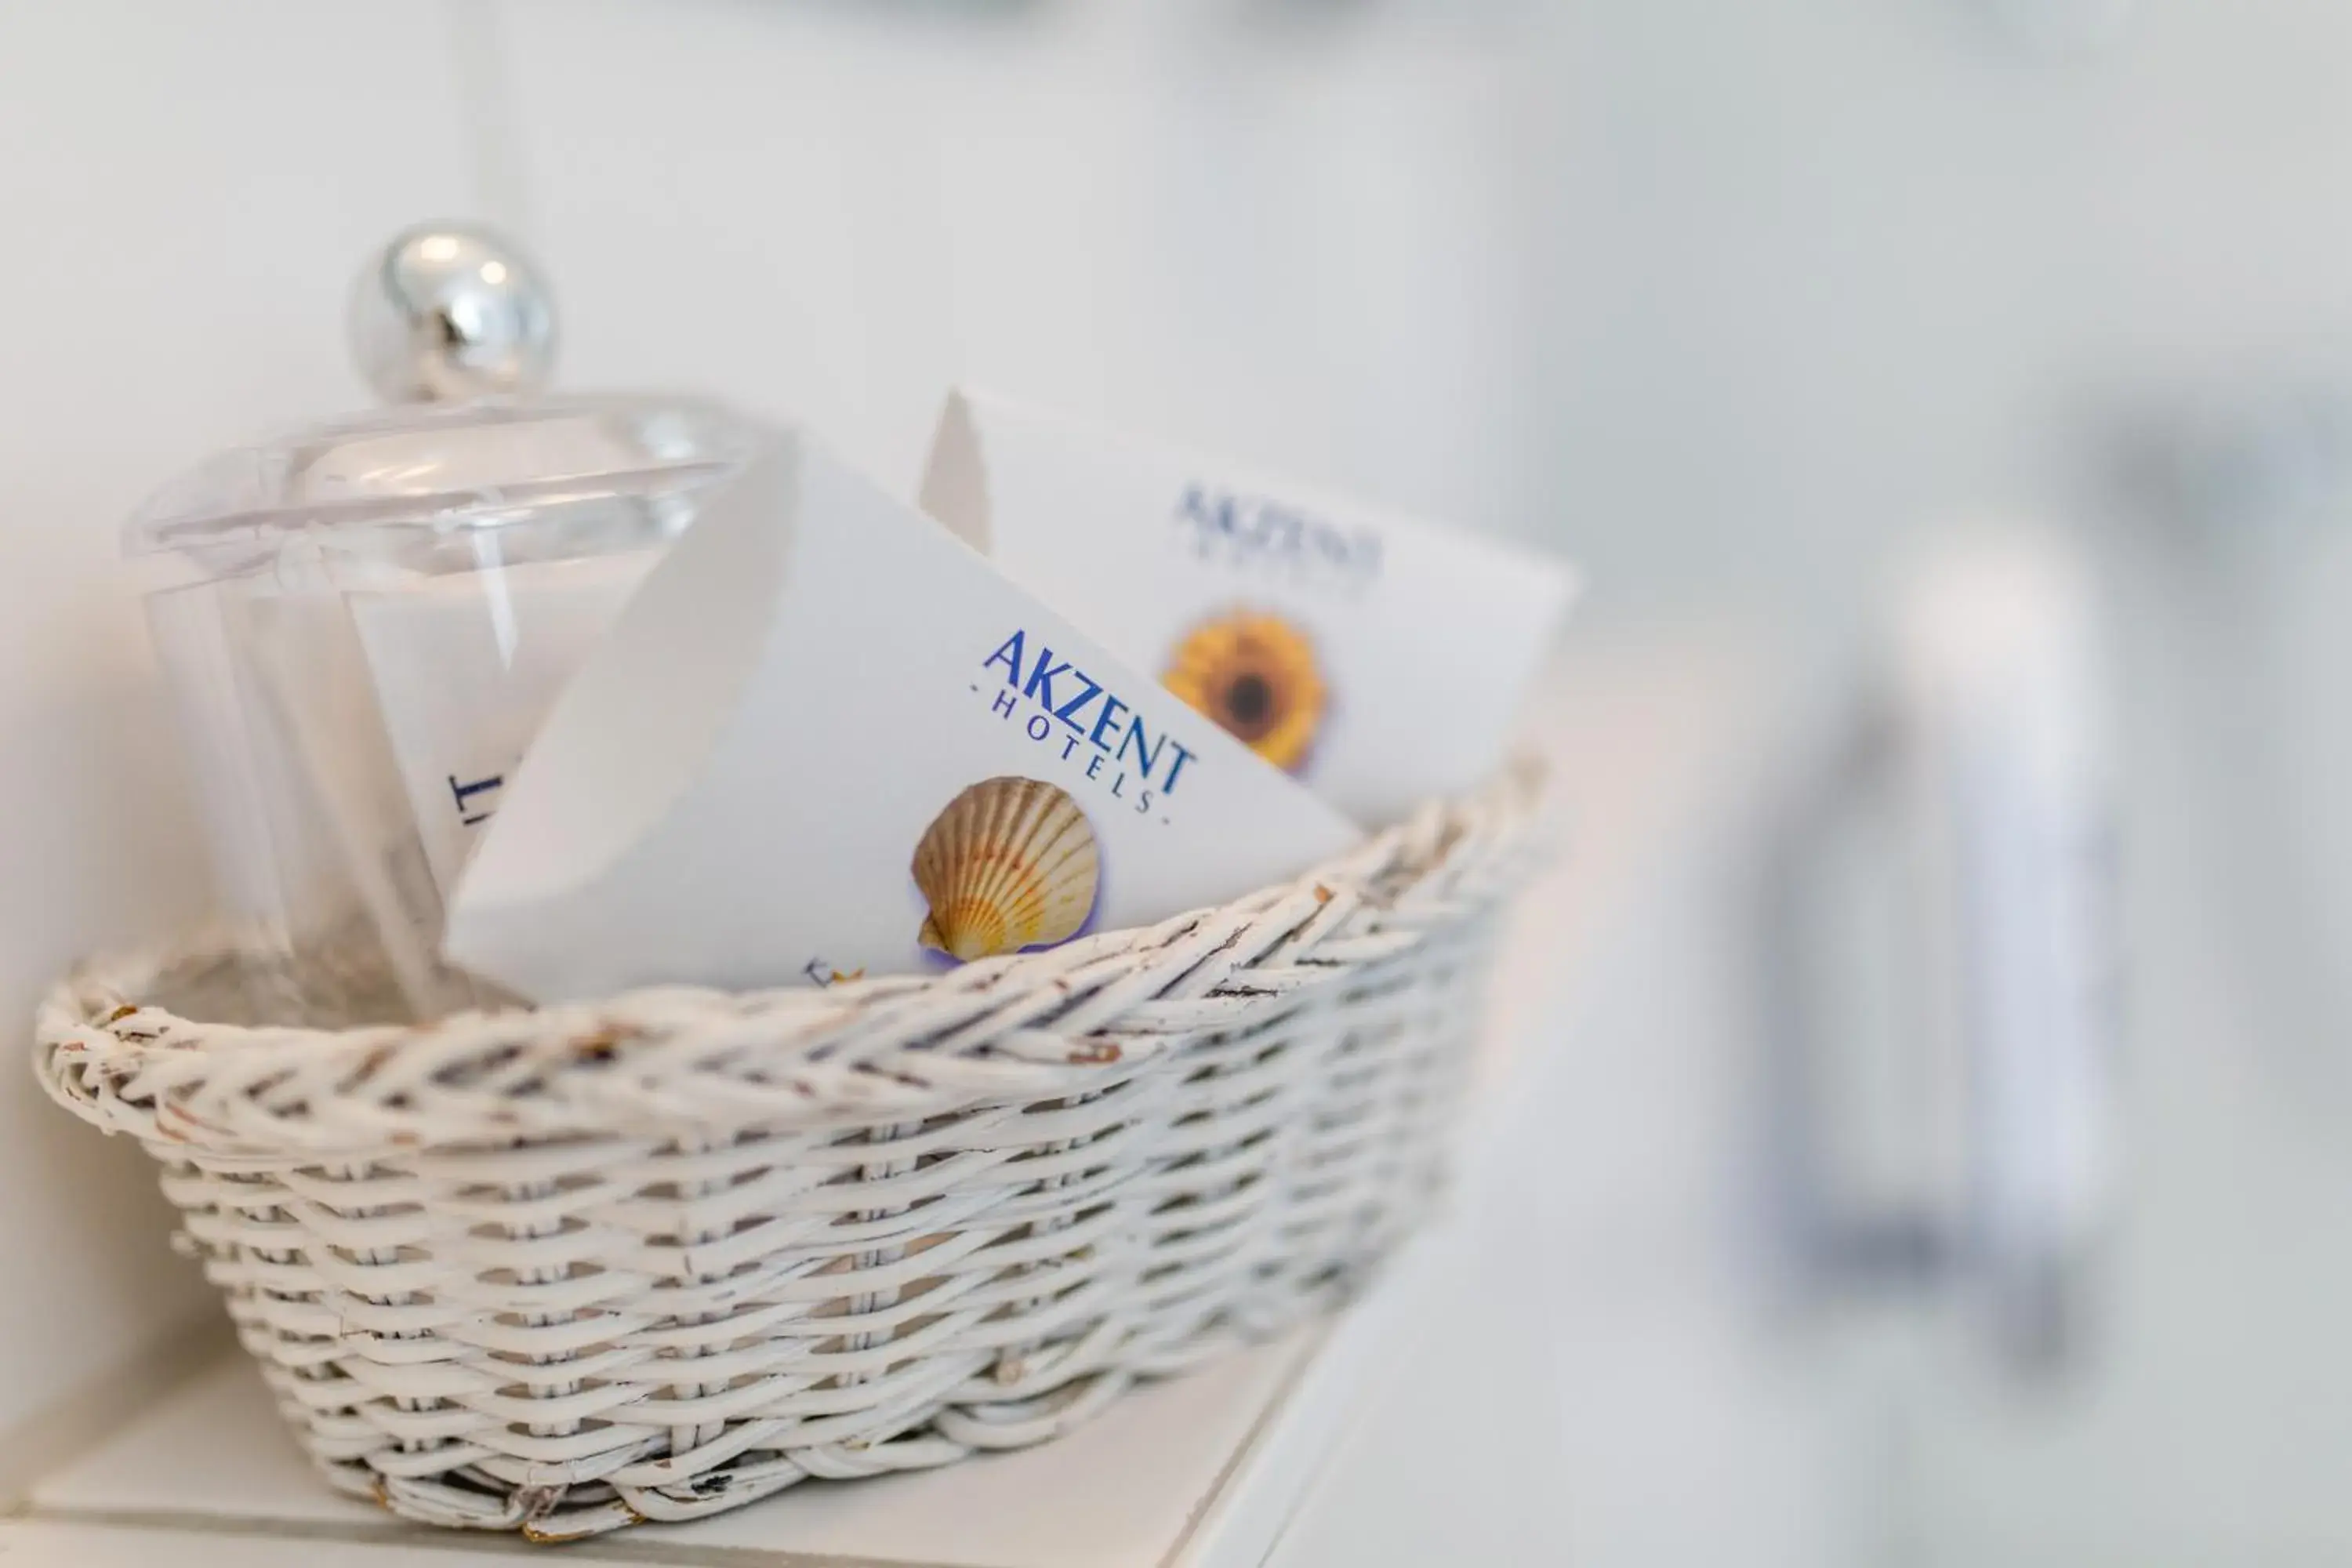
column 1254, row 675
column 1011, row 863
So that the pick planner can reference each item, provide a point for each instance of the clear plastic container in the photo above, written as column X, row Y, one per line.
column 363, row 625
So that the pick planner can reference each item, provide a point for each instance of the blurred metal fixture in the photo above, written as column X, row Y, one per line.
column 446, row 312
column 2241, row 466
column 2246, row 483
column 1977, row 783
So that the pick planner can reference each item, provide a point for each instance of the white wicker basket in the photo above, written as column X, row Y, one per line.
column 566, row 1269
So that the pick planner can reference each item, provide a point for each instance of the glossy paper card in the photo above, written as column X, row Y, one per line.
column 825, row 738
column 1378, row 658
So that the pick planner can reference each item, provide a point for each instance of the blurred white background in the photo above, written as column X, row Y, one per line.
column 1733, row 303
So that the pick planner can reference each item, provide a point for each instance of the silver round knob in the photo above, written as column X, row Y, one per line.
column 448, row 311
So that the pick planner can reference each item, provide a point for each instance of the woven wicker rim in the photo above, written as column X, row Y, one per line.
column 1028, row 1026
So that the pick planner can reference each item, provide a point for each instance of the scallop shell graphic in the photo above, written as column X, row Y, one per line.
column 1011, row 863
column 1255, row 676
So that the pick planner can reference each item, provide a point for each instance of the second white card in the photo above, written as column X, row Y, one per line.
column 1380, row 658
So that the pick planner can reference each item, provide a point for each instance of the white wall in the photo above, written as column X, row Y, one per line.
column 184, row 199
column 1820, row 275
column 1289, row 247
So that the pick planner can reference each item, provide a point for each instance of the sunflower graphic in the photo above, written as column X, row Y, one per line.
column 1254, row 675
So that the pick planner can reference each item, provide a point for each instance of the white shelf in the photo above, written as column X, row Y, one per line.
column 214, row 1459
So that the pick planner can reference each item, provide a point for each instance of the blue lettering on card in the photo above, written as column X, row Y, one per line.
column 1260, row 534
column 1056, row 690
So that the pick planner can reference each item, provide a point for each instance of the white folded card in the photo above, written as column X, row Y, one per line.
column 825, row 738
column 1380, row 658
column 465, row 666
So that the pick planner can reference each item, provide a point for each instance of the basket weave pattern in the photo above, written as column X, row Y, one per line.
column 565, row 1269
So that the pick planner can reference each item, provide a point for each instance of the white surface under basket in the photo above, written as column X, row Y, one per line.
column 567, row 1270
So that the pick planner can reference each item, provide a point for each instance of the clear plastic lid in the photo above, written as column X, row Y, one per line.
column 444, row 469
column 363, row 623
